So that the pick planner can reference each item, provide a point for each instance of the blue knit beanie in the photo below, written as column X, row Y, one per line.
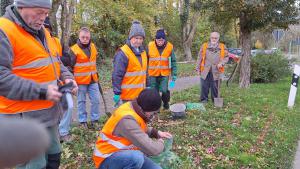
column 160, row 34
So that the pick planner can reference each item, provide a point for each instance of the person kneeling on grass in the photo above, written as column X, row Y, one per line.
column 125, row 141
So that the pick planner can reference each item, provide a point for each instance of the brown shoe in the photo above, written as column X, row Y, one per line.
column 67, row 138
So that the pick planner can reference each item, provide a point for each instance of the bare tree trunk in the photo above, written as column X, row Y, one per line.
column 52, row 16
column 245, row 39
column 189, row 30
column 68, row 9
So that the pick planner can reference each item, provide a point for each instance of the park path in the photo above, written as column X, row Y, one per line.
column 181, row 84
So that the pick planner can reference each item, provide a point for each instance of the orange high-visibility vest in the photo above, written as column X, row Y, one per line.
column 159, row 65
column 85, row 69
column 134, row 80
column 222, row 55
column 32, row 62
column 58, row 44
column 107, row 143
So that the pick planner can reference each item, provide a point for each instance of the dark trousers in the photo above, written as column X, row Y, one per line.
column 208, row 83
column 160, row 83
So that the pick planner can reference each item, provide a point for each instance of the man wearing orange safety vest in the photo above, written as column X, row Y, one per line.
column 30, row 72
column 210, row 64
column 130, row 66
column 162, row 65
column 125, row 141
column 83, row 58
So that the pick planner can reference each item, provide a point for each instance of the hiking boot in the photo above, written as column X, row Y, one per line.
column 84, row 125
column 166, row 106
column 66, row 139
column 204, row 101
column 93, row 124
column 95, row 121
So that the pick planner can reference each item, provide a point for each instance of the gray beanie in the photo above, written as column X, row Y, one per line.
column 136, row 30
column 34, row 3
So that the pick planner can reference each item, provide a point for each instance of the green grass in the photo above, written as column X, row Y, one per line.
column 186, row 69
column 105, row 71
column 254, row 129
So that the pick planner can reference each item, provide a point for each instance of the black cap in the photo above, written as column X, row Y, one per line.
column 149, row 100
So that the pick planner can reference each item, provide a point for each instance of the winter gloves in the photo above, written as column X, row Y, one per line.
column 116, row 99
column 172, row 83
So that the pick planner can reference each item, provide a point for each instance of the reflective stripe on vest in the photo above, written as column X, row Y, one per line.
column 222, row 55
column 141, row 73
column 134, row 80
column 158, row 59
column 86, row 64
column 133, row 86
column 115, row 143
column 85, row 69
column 38, row 63
column 31, row 61
column 159, row 64
column 158, row 67
column 84, row 74
column 107, row 143
column 99, row 154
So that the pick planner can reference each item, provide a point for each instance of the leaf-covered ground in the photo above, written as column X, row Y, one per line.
column 254, row 129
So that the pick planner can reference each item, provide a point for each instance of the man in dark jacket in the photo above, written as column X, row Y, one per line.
column 130, row 66
column 29, row 74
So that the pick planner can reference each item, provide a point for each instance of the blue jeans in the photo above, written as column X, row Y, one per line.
column 64, row 125
column 94, row 95
column 128, row 159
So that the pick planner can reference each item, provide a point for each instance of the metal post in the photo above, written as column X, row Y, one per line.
column 294, row 85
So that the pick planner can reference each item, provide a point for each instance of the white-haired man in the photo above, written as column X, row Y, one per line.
column 210, row 64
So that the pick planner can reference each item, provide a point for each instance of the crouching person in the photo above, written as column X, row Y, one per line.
column 125, row 141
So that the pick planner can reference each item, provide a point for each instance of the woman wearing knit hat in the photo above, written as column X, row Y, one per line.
column 162, row 65
column 130, row 66
column 125, row 141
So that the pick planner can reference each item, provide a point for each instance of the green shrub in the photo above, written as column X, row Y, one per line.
column 269, row 68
